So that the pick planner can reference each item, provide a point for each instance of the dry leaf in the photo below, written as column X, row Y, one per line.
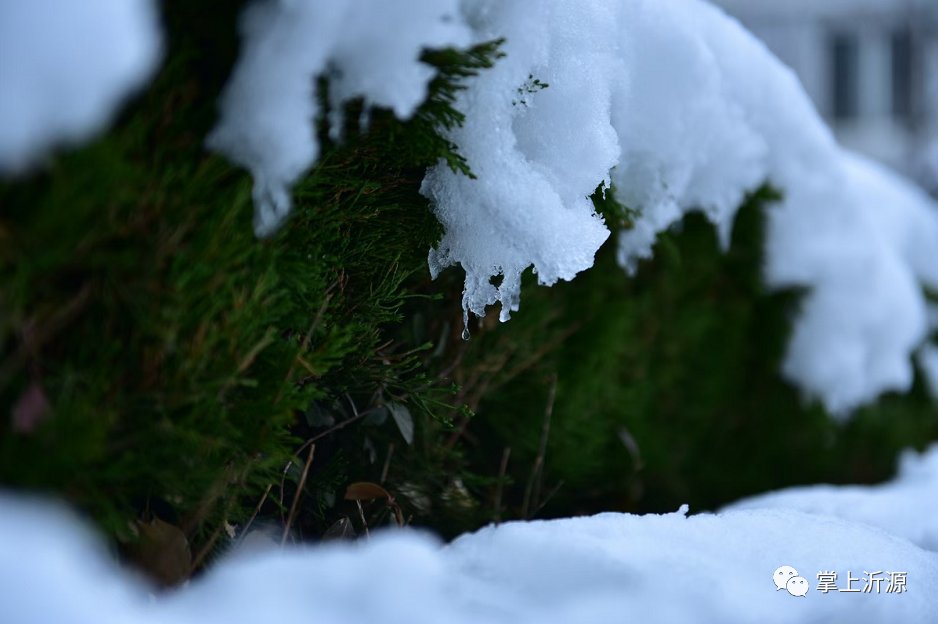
column 364, row 491
column 163, row 551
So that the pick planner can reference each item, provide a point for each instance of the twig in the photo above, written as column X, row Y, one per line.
column 309, row 334
column 502, row 469
column 338, row 426
column 387, row 463
column 532, row 491
column 36, row 336
column 206, row 549
column 298, row 495
column 257, row 509
column 348, row 398
column 361, row 514
column 312, row 441
column 549, row 496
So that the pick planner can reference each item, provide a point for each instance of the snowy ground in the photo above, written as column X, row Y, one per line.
column 721, row 568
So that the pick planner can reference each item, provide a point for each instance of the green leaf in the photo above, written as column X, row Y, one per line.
column 405, row 422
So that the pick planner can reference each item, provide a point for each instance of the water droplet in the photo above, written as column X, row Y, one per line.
column 465, row 324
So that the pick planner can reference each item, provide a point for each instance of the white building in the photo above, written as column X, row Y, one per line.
column 871, row 67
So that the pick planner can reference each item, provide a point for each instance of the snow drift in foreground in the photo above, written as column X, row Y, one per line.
column 680, row 109
column 65, row 67
column 906, row 507
column 607, row 568
column 369, row 49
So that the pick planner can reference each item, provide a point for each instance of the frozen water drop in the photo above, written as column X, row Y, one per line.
column 465, row 324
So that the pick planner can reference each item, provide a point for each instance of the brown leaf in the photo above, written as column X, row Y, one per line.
column 163, row 552
column 364, row 490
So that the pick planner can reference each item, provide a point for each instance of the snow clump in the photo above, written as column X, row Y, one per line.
column 369, row 48
column 670, row 102
column 680, row 109
column 65, row 68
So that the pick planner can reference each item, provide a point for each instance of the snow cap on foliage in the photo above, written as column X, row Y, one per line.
column 671, row 102
column 65, row 67
column 868, row 261
column 680, row 109
column 712, row 569
column 538, row 153
column 369, row 49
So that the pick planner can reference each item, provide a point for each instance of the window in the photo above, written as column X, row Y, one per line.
column 902, row 74
column 845, row 65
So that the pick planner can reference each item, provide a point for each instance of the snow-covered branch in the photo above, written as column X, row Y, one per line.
column 672, row 102
column 681, row 109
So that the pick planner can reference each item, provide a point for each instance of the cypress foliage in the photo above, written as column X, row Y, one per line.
column 182, row 360
column 189, row 369
column 667, row 385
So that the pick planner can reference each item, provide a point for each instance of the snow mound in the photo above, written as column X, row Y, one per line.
column 611, row 567
column 906, row 507
column 65, row 67
column 369, row 48
column 680, row 109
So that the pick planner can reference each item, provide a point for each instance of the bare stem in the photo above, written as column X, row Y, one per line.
column 298, row 495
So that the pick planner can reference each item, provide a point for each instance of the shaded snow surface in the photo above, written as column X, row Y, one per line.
column 707, row 568
column 906, row 507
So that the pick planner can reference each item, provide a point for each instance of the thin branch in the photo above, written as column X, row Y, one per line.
column 298, row 495
column 312, row 441
column 257, row 510
column 532, row 491
column 502, row 469
column 309, row 335
column 361, row 514
column 387, row 463
column 549, row 496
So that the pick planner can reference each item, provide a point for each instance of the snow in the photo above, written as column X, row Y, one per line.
column 708, row 568
column 65, row 68
column 680, row 109
column 369, row 48
column 906, row 507
column 671, row 102
column 537, row 156
column 867, row 312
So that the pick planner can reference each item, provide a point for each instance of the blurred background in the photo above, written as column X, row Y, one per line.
column 870, row 66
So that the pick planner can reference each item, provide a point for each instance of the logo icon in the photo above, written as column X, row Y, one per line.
column 786, row 577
